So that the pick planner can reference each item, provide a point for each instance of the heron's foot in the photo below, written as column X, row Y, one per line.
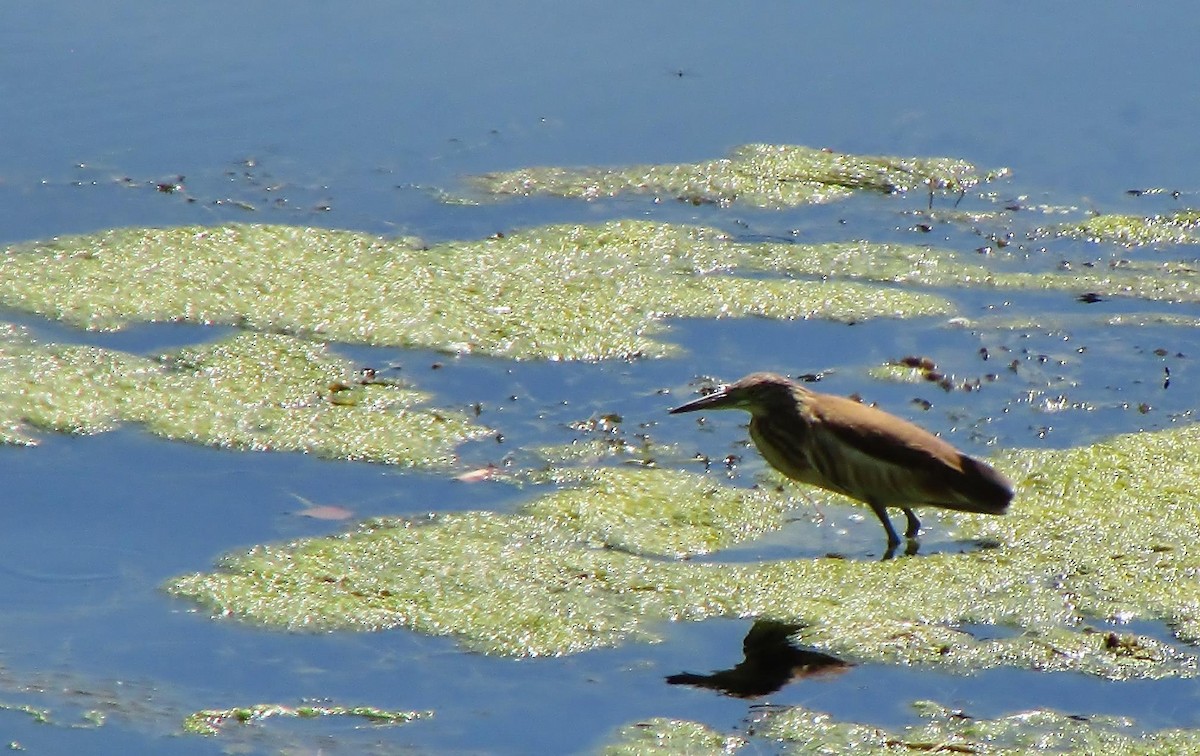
column 890, row 551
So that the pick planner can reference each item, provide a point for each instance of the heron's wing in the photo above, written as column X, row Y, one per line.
column 884, row 437
column 943, row 474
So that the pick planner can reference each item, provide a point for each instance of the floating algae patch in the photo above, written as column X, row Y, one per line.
column 66, row 700
column 70, row 389
column 212, row 721
column 945, row 730
column 929, row 266
column 1166, row 282
column 898, row 373
column 671, row 736
column 504, row 584
column 41, row 716
column 252, row 391
column 660, row 512
column 1105, row 532
column 1027, row 322
column 893, row 263
column 559, row 292
column 760, row 175
column 1181, row 227
column 270, row 392
column 1122, row 517
column 558, row 577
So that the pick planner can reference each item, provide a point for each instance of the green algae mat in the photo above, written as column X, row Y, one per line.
column 559, row 292
column 212, row 721
column 761, row 175
column 252, row 391
column 555, row 292
column 1180, row 227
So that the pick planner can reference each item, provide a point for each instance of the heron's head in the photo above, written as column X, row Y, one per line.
column 757, row 393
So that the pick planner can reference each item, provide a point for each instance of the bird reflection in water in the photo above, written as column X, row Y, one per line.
column 771, row 661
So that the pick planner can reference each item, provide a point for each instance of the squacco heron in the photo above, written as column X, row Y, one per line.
column 843, row 446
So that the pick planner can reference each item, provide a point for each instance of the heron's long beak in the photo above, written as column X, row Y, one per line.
column 717, row 400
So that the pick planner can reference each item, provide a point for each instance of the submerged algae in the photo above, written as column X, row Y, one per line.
column 761, row 175
column 211, row 721
column 577, row 570
column 251, row 391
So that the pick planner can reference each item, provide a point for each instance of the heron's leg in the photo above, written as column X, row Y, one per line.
column 914, row 525
column 881, row 512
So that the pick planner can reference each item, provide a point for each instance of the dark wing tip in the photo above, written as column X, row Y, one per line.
column 989, row 488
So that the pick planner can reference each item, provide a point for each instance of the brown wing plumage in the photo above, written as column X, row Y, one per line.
column 917, row 466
